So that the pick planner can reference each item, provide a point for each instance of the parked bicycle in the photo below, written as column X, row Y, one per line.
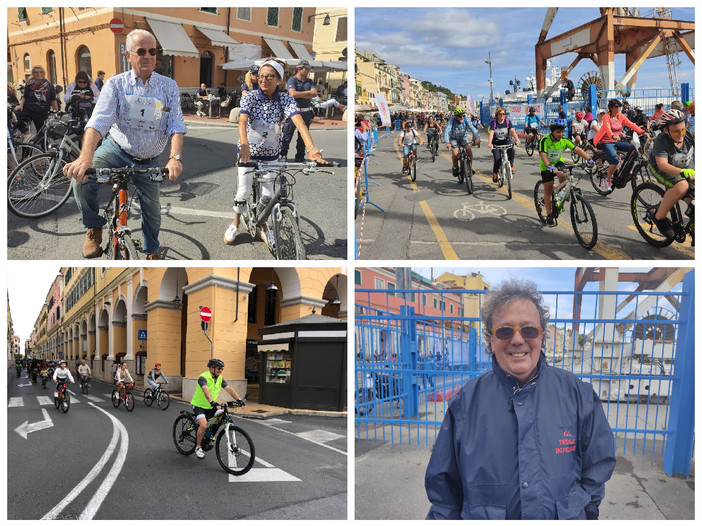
column 62, row 399
column 234, row 447
column 37, row 186
column 277, row 218
column 645, row 201
column 504, row 174
column 162, row 398
column 125, row 397
column 465, row 169
column 120, row 244
column 582, row 216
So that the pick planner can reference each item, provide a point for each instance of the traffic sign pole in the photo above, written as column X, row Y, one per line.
column 206, row 316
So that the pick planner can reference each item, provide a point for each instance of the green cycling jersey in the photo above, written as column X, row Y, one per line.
column 553, row 150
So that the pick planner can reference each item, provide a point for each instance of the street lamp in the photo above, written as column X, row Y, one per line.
column 489, row 63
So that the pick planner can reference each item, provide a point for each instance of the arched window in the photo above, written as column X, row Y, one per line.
column 27, row 64
column 84, row 61
column 206, row 66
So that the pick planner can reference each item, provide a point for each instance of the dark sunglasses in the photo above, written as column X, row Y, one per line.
column 267, row 77
column 142, row 52
column 506, row 333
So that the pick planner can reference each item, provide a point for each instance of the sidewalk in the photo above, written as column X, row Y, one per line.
column 318, row 123
column 390, row 485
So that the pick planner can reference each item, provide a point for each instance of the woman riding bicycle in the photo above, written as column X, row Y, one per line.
column 123, row 378
column 432, row 130
column 501, row 134
column 154, row 375
column 609, row 137
column 260, row 137
column 671, row 162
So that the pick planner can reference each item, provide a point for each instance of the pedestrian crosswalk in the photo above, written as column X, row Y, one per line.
column 42, row 400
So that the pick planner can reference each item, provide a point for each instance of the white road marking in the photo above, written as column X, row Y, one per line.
column 24, row 429
column 45, row 400
column 264, row 475
column 304, row 438
column 269, row 421
column 93, row 398
column 319, row 435
column 168, row 209
column 91, row 475
column 16, row 401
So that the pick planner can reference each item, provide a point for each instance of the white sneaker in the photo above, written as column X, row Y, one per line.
column 199, row 453
column 230, row 234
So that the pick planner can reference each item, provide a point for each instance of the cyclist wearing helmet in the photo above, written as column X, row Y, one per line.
column 432, row 129
column 501, row 134
column 671, row 162
column 578, row 128
column 154, row 374
column 456, row 136
column 609, row 137
column 532, row 122
column 204, row 401
column 551, row 148
column 62, row 375
column 408, row 139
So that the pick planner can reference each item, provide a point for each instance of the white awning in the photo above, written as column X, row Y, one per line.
column 218, row 38
column 301, row 51
column 278, row 48
column 173, row 39
column 316, row 65
column 273, row 347
column 244, row 53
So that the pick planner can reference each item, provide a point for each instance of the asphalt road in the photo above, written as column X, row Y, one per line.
column 435, row 218
column 197, row 208
column 300, row 470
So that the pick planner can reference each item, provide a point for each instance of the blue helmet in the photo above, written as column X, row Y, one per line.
column 557, row 123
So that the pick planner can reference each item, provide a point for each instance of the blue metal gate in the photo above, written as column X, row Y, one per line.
column 635, row 348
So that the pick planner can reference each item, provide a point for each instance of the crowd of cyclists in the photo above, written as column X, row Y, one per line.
column 666, row 138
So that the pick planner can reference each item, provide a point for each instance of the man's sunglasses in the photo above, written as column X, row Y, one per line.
column 142, row 52
column 506, row 333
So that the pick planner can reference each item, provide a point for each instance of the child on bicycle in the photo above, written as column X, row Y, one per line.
column 408, row 139
column 62, row 375
column 263, row 111
column 671, row 161
column 551, row 148
column 154, row 374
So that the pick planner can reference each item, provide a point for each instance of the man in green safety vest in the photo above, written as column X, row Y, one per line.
column 204, row 401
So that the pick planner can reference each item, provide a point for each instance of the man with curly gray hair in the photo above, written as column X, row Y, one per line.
column 524, row 440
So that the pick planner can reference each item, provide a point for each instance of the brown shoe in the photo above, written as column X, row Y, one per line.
column 154, row 256
column 91, row 245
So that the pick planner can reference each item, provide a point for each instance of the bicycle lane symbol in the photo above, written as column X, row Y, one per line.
column 469, row 211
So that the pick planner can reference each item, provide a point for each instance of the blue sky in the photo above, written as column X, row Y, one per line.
column 449, row 46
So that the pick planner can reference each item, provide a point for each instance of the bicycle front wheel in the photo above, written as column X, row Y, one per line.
column 65, row 401
column 539, row 201
column 645, row 199
column 235, row 450
column 122, row 249
column 148, row 397
column 163, row 400
column 413, row 168
column 507, row 174
column 582, row 217
column 598, row 176
column 23, row 151
column 184, row 434
column 467, row 168
column 129, row 402
column 57, row 401
column 289, row 243
column 529, row 147
column 37, row 186
column 641, row 175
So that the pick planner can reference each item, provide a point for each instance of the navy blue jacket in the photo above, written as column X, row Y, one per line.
column 543, row 451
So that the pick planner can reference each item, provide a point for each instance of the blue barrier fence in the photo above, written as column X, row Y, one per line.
column 635, row 348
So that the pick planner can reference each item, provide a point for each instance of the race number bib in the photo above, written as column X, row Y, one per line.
column 143, row 113
column 263, row 134
column 554, row 155
column 533, row 125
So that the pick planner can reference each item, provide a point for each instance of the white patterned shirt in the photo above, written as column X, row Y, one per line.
column 263, row 129
column 140, row 116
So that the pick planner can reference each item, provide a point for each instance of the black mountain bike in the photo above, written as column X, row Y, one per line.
column 162, row 398
column 645, row 201
column 234, row 447
column 465, row 169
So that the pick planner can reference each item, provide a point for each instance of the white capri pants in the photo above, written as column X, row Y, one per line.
column 245, row 185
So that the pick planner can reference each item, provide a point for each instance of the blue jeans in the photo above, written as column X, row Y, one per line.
column 154, row 385
column 110, row 155
column 609, row 150
column 288, row 132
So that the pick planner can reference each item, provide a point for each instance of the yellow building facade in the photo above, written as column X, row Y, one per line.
column 146, row 315
column 331, row 42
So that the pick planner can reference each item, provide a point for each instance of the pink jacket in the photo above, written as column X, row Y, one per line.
column 605, row 133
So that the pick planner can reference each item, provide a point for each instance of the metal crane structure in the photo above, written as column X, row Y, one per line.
column 618, row 30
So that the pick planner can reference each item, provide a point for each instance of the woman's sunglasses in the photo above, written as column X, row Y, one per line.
column 506, row 333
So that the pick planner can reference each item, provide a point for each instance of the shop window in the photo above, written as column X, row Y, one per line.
column 272, row 17
column 297, row 19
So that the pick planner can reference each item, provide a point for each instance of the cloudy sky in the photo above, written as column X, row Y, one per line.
column 449, row 46
column 28, row 284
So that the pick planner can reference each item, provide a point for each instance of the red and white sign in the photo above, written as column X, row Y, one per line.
column 116, row 25
column 205, row 314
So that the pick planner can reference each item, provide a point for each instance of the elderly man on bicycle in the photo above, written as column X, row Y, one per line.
column 204, row 401
column 456, row 136
column 141, row 110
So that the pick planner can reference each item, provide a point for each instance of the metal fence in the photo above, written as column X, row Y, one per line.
column 635, row 348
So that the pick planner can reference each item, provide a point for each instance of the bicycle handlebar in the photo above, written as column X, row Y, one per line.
column 262, row 165
column 108, row 175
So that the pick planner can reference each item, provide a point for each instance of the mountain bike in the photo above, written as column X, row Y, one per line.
column 504, row 174
column 120, row 244
column 632, row 167
column 234, row 447
column 125, row 397
column 162, row 398
column 37, row 186
column 433, row 144
column 645, row 201
column 44, row 378
column 532, row 140
column 62, row 399
column 412, row 164
column 276, row 218
column 582, row 217
column 465, row 169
